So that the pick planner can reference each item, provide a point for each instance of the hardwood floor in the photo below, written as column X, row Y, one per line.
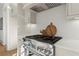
column 4, row 52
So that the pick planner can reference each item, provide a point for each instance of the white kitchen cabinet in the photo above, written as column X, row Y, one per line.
column 30, row 16
column 60, row 51
column 67, row 47
column 72, row 9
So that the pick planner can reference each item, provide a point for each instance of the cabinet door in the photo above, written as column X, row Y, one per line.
column 33, row 17
column 30, row 16
column 73, row 9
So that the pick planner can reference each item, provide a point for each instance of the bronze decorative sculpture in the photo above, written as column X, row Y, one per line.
column 50, row 30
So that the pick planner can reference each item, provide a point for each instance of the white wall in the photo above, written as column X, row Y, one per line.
column 12, row 34
column 21, row 22
column 55, row 15
column 12, row 28
column 71, row 29
column 65, row 28
column 9, row 28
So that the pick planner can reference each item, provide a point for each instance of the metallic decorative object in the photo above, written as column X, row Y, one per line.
column 50, row 30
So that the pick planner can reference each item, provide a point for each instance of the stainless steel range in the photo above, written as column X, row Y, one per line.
column 39, row 45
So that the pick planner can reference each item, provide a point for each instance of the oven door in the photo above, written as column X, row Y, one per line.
column 33, row 47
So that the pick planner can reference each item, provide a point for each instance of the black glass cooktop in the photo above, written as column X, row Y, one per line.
column 45, row 39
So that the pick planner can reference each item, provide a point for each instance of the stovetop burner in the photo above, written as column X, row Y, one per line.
column 46, row 39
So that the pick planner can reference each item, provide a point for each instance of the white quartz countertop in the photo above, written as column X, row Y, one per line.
column 69, row 44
